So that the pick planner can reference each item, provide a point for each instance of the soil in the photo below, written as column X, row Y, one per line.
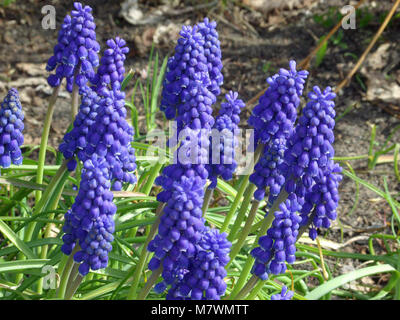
column 254, row 45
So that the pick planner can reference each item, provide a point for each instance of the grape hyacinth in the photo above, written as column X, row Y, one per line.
column 186, row 96
column 275, row 114
column 90, row 220
column 110, row 136
column 100, row 126
column 226, row 124
column 11, row 127
column 310, row 148
column 110, row 73
column 76, row 53
column 181, row 223
column 284, row 295
column 311, row 183
column 267, row 171
column 212, row 51
column 278, row 245
column 273, row 122
column 76, row 139
column 185, row 93
column 322, row 200
column 101, row 138
column 203, row 279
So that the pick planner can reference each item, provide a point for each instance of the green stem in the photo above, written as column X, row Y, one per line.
column 207, row 199
column 144, row 254
column 150, row 283
column 146, row 189
column 153, row 175
column 66, row 273
column 245, row 231
column 248, row 195
column 253, row 294
column 45, row 137
column 235, row 203
column 247, row 288
column 61, row 265
column 73, row 287
column 243, row 277
column 72, row 275
column 43, row 254
column 396, row 165
column 365, row 156
column 397, row 287
column 59, row 176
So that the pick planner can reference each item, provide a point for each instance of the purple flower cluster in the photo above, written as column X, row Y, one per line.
column 322, row 200
column 225, row 126
column 181, row 224
column 284, row 295
column 312, row 180
column 212, row 52
column 101, row 138
column 273, row 121
column 278, row 245
column 183, row 244
column 111, row 70
column 267, row 171
column 110, row 136
column 76, row 139
column 203, row 276
column 186, row 92
column 11, row 127
column 76, row 53
column 100, row 126
column 90, row 220
column 275, row 114
column 310, row 147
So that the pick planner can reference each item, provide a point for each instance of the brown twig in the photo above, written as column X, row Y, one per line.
column 364, row 55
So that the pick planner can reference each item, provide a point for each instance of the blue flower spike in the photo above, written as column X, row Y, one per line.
column 11, row 127
column 76, row 52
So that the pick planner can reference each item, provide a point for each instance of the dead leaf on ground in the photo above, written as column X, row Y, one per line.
column 32, row 69
column 381, row 73
column 270, row 5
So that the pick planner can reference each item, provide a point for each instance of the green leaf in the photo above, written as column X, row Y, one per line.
column 100, row 291
column 8, row 233
column 337, row 282
column 127, row 79
column 365, row 183
column 226, row 188
column 391, row 201
column 319, row 57
column 395, row 160
column 19, row 265
column 155, row 90
column 32, row 244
